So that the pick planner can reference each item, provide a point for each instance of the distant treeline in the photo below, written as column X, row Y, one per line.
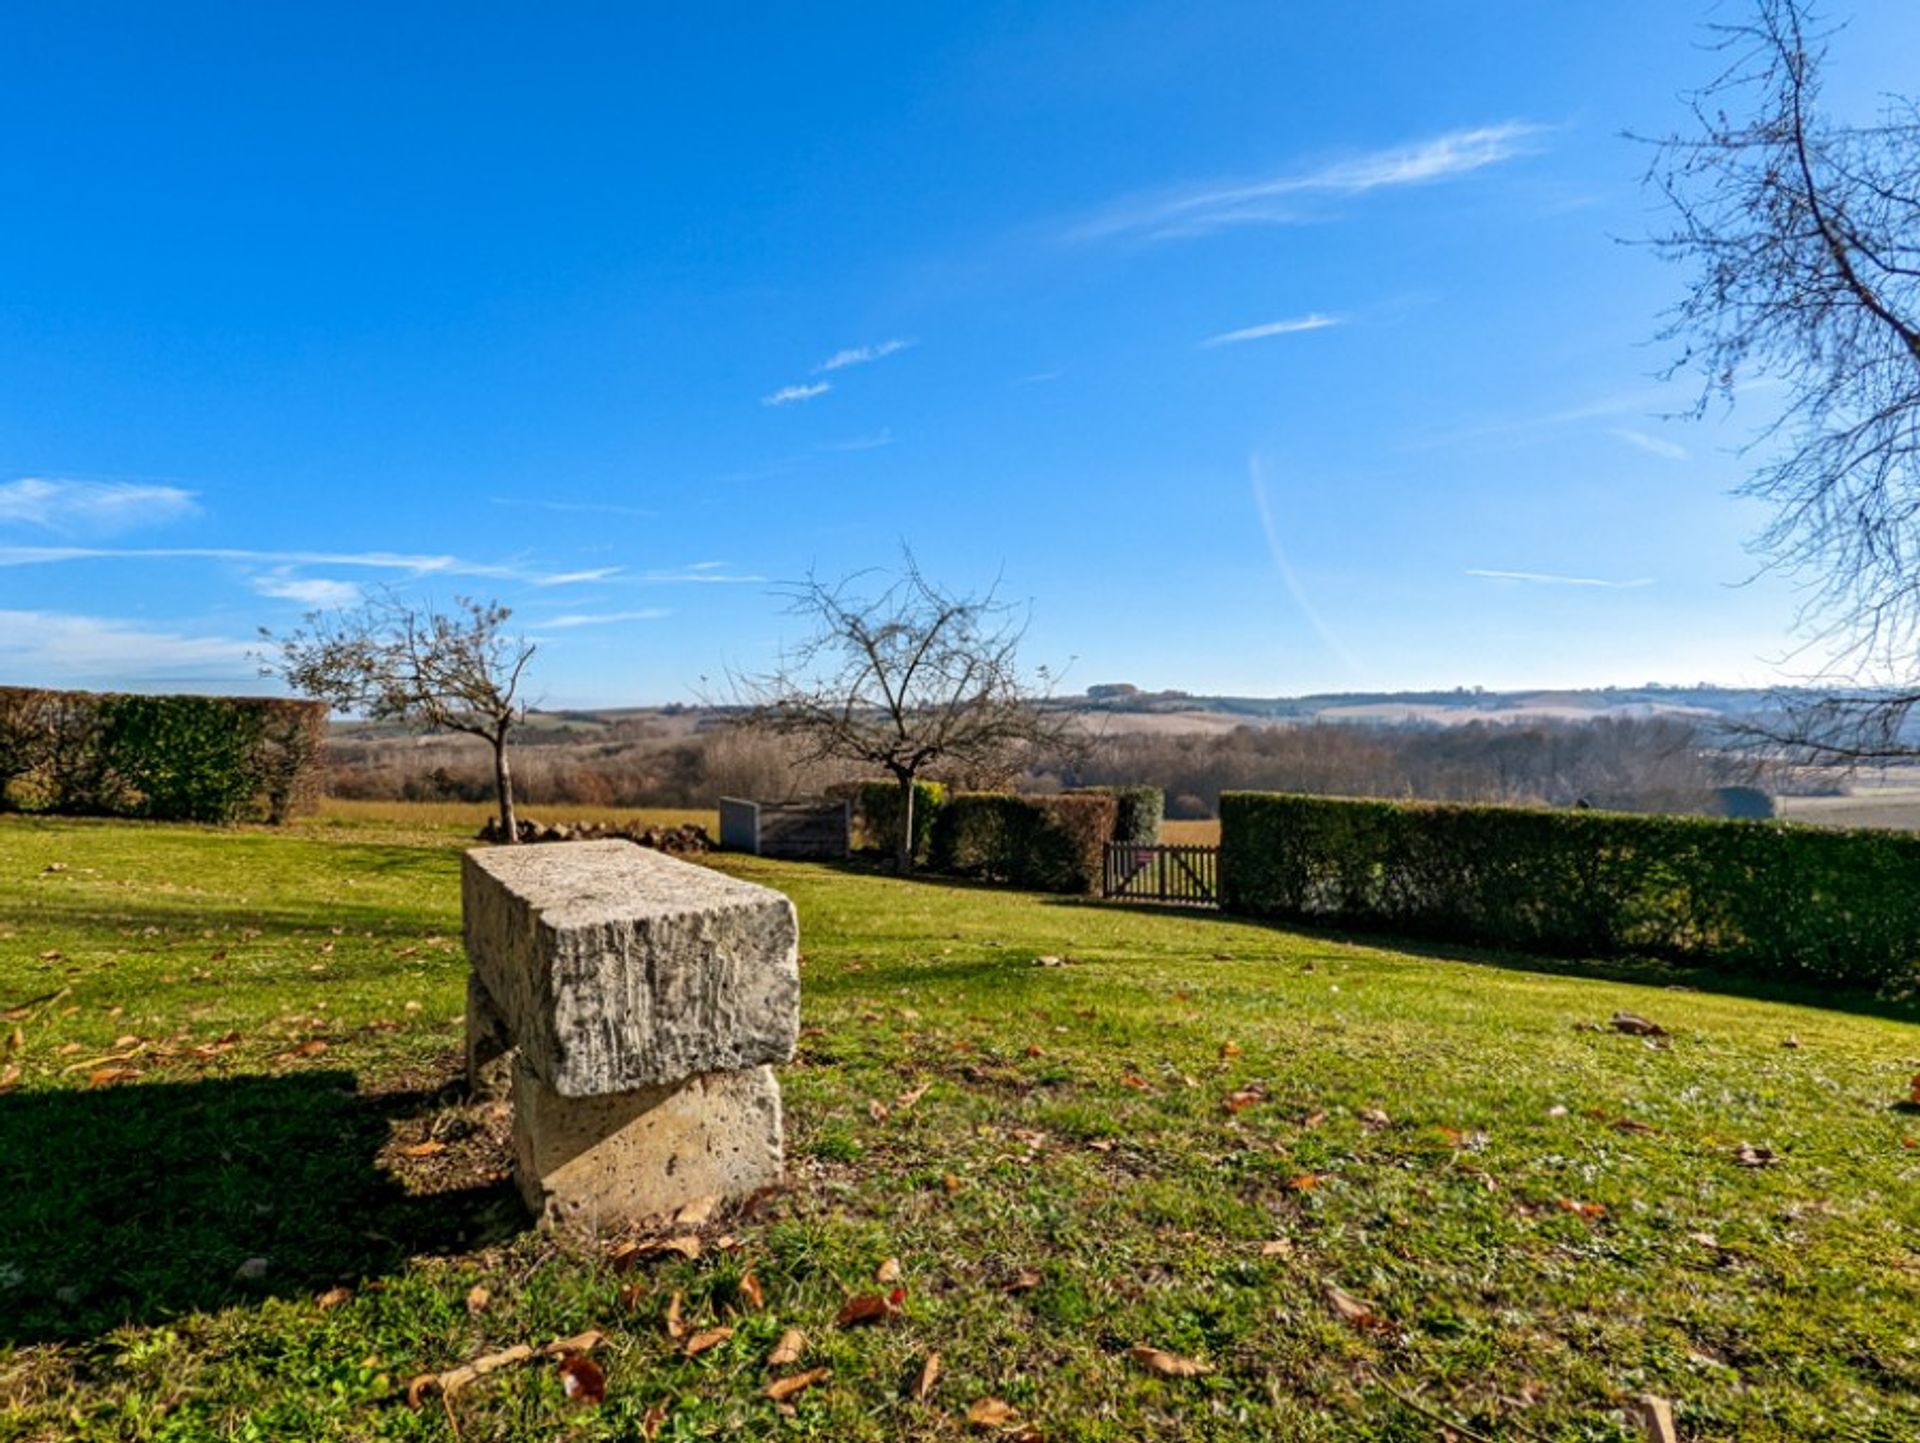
column 1646, row 765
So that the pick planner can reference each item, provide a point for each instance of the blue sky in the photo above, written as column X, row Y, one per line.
column 1264, row 348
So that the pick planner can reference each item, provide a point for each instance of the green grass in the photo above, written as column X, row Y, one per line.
column 1075, row 1124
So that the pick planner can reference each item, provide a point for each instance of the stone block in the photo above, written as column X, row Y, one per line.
column 591, row 1162
column 615, row 968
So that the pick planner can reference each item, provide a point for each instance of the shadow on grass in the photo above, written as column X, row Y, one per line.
column 135, row 1204
column 1639, row 971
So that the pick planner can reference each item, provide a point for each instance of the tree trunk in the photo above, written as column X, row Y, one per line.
column 503, row 792
column 903, row 844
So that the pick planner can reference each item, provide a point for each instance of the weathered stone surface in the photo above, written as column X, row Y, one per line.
column 597, row 1162
column 616, row 968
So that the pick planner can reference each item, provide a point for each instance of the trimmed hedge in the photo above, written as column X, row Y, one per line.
column 1049, row 844
column 1843, row 906
column 1140, row 813
column 170, row 758
column 876, row 805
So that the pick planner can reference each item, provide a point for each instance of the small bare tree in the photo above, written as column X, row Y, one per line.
column 391, row 661
column 910, row 678
column 1802, row 237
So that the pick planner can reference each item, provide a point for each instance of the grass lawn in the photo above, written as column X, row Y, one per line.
column 235, row 1053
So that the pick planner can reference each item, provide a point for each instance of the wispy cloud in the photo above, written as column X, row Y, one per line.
column 882, row 437
column 1038, row 378
column 408, row 564
column 860, row 355
column 594, row 508
column 315, row 591
column 787, row 395
column 700, row 573
column 1656, row 445
column 1312, row 322
column 1549, row 578
column 60, row 647
column 1286, row 198
column 1270, row 526
column 91, row 508
column 601, row 618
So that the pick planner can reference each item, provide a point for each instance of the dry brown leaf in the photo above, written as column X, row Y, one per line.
column 1033, row 1050
column 707, row 1338
column 16, row 1040
column 877, row 1110
column 477, row 1299
column 1747, row 1155
column 1168, row 1365
column 333, row 1298
column 1277, row 1248
column 788, row 1350
column 870, row 1308
column 1353, row 1312
column 1244, row 1099
column 1589, row 1210
column 1136, row 1082
column 929, row 1375
column 651, row 1424
column 749, row 1290
column 1636, row 1026
column 676, row 1326
column 1022, row 1282
column 627, row 1254
column 1374, row 1118
column 1313, row 1119
column 108, row 1076
column 10, row 1077
column 452, row 1380
column 912, row 1095
column 991, row 1413
column 424, row 1149
column 887, row 1272
column 782, row 1389
column 1229, row 1049
column 951, row 1183
column 696, row 1213
column 1654, row 1418
column 581, row 1379
column 313, row 1047
column 1303, row 1182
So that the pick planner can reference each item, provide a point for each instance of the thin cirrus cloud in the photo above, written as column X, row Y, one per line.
column 788, row 395
column 1653, row 445
column 1287, row 198
column 413, row 566
column 317, row 591
column 860, row 355
column 58, row 646
column 91, row 508
column 602, row 618
column 1551, row 578
column 1298, row 325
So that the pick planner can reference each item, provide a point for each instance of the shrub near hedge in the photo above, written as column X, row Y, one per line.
column 1140, row 812
column 175, row 758
column 1843, row 906
column 877, row 805
column 1048, row 844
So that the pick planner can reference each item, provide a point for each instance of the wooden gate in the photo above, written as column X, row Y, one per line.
column 1182, row 874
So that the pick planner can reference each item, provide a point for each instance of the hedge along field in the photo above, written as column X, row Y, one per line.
column 1839, row 906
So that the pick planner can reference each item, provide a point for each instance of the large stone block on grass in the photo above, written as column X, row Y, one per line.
column 591, row 1162
column 616, row 968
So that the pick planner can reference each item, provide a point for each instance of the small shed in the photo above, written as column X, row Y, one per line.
column 795, row 831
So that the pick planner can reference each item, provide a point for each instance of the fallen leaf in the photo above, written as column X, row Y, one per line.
column 707, row 1338
column 1229, row 1049
column 651, row 1424
column 627, row 1254
column 332, row 1298
column 108, row 1076
column 1633, row 1126
column 477, row 1299
column 424, row 1149
column 1022, row 1282
column 16, row 1040
column 1244, row 1099
column 696, row 1213
column 929, row 1375
column 1104, row 1144
column 1313, row 1119
column 1168, row 1365
column 1136, row 1082
column 10, row 1077
column 877, row 1111
column 870, row 1308
column 1589, row 1210
column 912, row 1095
column 1654, row 1418
column 1033, row 1050
column 1914, row 1090
column 750, row 1291
column 951, row 1183
column 788, row 1350
column 1304, row 1182
column 1635, row 1025
column 991, row 1413
column 782, row 1389
column 1747, row 1155
column 887, row 1272
column 582, row 1380
column 1374, row 1118
column 675, row 1325
column 1277, row 1248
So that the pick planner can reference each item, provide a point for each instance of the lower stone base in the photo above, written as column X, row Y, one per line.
column 489, row 1046
column 603, row 1161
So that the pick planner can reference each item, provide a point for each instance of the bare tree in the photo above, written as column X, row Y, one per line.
column 911, row 679
column 1802, row 236
column 392, row 661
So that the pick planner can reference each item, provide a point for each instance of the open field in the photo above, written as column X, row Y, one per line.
column 240, row 1045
